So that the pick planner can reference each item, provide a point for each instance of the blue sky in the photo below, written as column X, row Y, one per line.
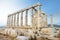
column 48, row 7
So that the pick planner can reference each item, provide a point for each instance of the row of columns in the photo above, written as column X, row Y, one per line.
column 13, row 22
column 12, row 18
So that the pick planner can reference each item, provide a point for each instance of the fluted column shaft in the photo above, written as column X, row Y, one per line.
column 8, row 21
column 44, row 21
column 14, row 19
column 32, row 17
column 39, row 16
column 26, row 18
column 18, row 19
column 21, row 18
column 11, row 20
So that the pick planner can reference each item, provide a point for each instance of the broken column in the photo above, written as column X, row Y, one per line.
column 51, row 20
column 8, row 21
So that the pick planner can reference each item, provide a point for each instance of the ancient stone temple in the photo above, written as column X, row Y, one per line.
column 18, row 24
column 38, row 19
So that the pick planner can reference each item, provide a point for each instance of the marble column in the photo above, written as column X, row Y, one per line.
column 39, row 16
column 26, row 18
column 11, row 20
column 14, row 19
column 32, row 17
column 8, row 22
column 51, row 20
column 35, row 18
column 21, row 18
column 44, row 21
column 17, row 19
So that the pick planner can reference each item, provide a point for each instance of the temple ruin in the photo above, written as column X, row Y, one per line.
column 38, row 19
column 38, row 24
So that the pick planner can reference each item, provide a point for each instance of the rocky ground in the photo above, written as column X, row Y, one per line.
column 5, row 37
